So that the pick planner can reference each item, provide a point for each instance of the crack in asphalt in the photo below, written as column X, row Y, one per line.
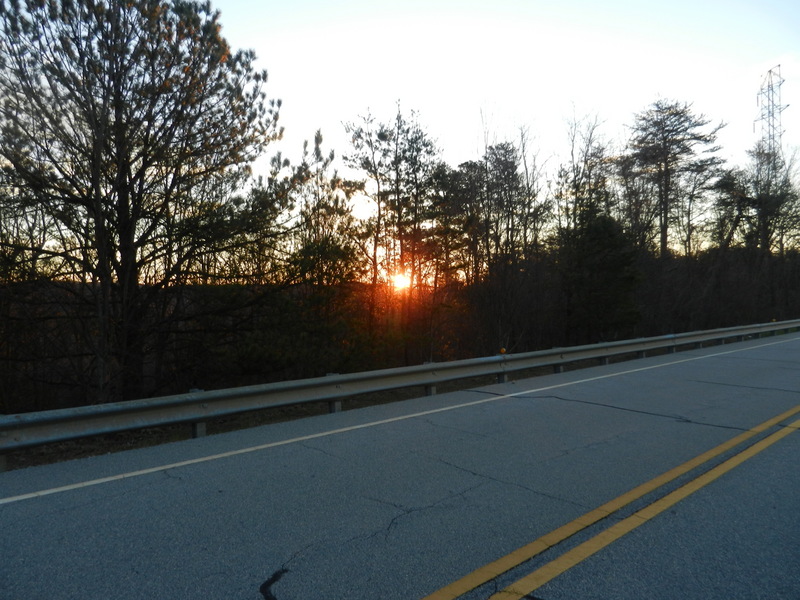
column 407, row 510
column 511, row 483
column 459, row 429
column 169, row 475
column 489, row 393
column 387, row 531
column 678, row 418
column 789, row 363
column 320, row 450
column 266, row 587
column 746, row 387
column 569, row 451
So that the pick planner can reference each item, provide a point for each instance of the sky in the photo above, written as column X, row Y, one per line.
column 477, row 72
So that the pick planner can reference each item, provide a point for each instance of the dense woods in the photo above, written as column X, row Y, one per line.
column 140, row 256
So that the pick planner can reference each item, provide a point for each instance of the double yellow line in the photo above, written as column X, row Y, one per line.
column 556, row 567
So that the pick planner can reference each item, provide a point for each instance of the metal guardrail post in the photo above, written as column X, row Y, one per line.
column 334, row 406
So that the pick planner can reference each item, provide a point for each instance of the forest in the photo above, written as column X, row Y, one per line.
column 140, row 255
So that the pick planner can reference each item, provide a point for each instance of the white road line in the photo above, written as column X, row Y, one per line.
column 195, row 461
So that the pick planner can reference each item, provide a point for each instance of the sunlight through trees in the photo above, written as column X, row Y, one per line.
column 139, row 255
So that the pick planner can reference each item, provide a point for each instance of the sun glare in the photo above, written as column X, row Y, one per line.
column 400, row 281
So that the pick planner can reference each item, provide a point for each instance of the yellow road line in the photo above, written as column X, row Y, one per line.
column 553, row 569
column 520, row 555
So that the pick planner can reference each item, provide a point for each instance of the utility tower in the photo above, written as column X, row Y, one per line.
column 769, row 102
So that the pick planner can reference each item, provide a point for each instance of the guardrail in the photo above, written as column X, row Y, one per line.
column 32, row 429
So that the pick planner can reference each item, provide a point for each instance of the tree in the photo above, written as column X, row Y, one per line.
column 24, row 231
column 464, row 204
column 636, row 206
column 412, row 166
column 503, row 203
column 371, row 144
column 583, row 182
column 668, row 143
column 129, row 124
column 694, row 204
column 596, row 263
column 774, row 200
column 535, row 210
column 325, row 252
column 595, row 257
column 757, row 206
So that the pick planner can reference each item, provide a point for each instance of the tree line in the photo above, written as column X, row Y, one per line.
column 139, row 254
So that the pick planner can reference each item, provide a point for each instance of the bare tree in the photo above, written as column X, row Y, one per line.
column 536, row 208
column 583, row 182
column 129, row 124
column 757, row 206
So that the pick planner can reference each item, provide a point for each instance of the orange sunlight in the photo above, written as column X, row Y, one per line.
column 400, row 281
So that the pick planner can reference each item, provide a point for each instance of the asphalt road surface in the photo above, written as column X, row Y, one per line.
column 669, row 477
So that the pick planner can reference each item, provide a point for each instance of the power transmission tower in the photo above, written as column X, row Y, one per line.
column 771, row 176
column 769, row 101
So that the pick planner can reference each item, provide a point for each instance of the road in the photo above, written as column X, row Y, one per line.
column 666, row 477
